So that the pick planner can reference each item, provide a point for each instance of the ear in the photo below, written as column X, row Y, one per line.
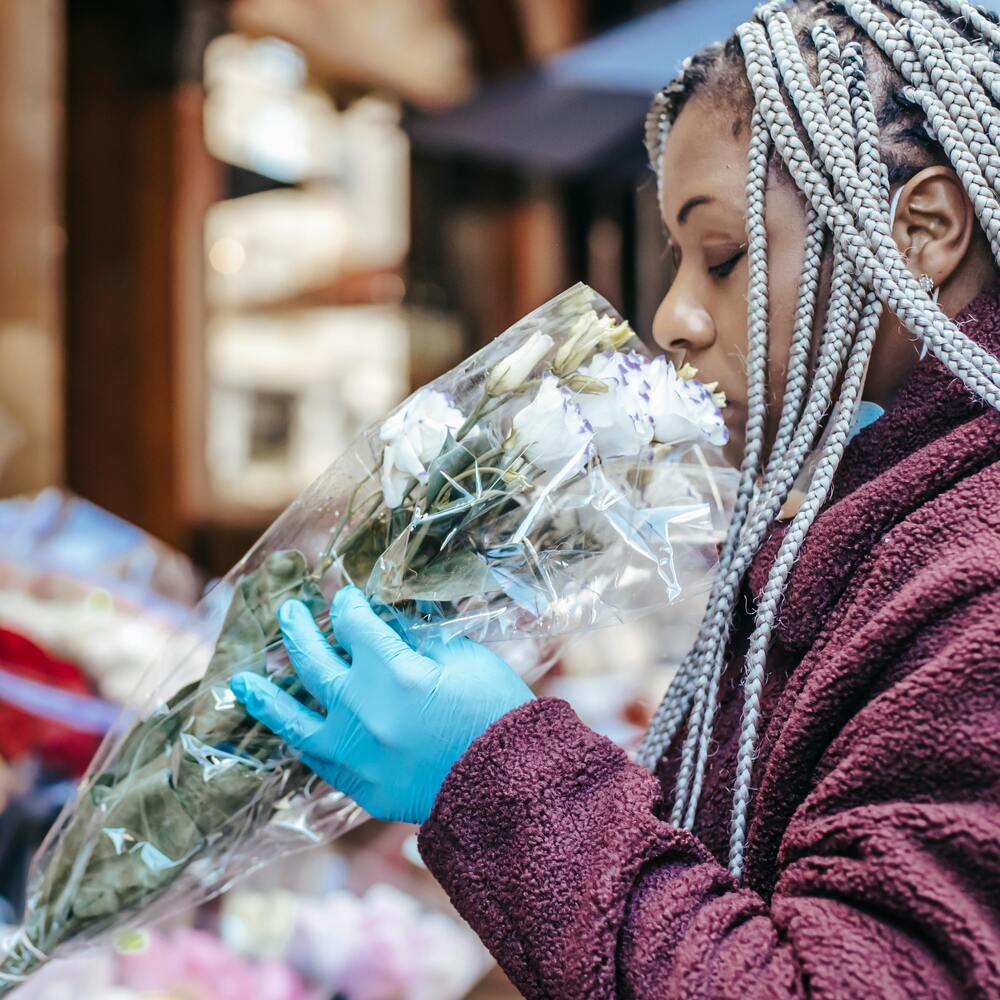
column 935, row 223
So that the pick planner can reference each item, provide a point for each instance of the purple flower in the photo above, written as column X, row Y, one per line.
column 621, row 417
column 682, row 408
column 647, row 400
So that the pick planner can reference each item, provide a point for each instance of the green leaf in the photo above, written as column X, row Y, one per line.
column 251, row 625
column 364, row 553
column 213, row 786
column 144, row 836
column 251, row 622
column 149, row 738
column 453, row 460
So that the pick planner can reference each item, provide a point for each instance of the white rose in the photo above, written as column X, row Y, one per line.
column 414, row 436
column 514, row 370
column 621, row 416
column 552, row 430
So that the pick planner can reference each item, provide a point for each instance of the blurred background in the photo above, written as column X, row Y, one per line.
column 236, row 233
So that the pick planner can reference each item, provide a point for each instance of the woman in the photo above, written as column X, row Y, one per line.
column 825, row 815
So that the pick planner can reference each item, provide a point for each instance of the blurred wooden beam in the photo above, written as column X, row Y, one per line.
column 31, row 58
column 136, row 180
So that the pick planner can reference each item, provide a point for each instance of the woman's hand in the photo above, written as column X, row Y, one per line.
column 396, row 720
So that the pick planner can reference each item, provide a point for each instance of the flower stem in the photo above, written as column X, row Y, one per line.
column 326, row 560
column 473, row 418
column 334, row 535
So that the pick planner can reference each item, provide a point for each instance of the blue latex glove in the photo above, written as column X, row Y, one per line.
column 396, row 720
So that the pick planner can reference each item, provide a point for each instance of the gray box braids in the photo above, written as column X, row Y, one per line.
column 850, row 97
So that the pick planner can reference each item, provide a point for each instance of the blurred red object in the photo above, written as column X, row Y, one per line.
column 24, row 733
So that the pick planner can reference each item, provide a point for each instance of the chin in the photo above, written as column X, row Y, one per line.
column 733, row 450
column 735, row 415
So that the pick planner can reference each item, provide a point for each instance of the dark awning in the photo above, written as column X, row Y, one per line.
column 584, row 109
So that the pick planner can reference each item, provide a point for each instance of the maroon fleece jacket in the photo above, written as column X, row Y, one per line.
column 873, row 863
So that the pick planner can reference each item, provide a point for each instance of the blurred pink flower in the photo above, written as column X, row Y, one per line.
column 197, row 965
column 383, row 946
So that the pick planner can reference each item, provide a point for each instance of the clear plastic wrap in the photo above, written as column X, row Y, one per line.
column 560, row 479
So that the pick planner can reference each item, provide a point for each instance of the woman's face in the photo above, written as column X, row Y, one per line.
column 704, row 314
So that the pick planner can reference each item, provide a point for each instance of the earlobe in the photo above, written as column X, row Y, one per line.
column 934, row 223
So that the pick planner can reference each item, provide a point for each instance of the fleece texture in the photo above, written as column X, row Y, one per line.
column 873, row 862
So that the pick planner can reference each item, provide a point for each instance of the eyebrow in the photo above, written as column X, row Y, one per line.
column 690, row 205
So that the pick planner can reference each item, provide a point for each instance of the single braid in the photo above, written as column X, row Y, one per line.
column 797, row 379
column 831, row 79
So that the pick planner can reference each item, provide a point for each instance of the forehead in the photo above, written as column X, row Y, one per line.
column 702, row 157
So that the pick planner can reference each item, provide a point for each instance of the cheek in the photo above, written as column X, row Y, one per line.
column 786, row 253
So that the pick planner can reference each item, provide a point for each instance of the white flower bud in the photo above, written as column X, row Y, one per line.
column 513, row 371
column 589, row 335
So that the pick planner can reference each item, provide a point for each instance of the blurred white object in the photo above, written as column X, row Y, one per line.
column 260, row 114
column 289, row 391
column 274, row 245
column 382, row 944
column 375, row 177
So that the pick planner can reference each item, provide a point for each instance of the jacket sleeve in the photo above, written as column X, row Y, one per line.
column 553, row 846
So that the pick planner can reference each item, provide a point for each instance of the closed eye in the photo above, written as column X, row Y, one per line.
column 723, row 270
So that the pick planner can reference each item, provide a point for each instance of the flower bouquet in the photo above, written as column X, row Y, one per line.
column 560, row 479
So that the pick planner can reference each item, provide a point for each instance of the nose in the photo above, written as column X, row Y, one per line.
column 682, row 323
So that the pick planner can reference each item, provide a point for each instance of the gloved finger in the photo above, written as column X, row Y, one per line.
column 419, row 634
column 401, row 622
column 313, row 658
column 356, row 625
column 278, row 710
column 321, row 768
column 342, row 779
column 334, row 774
